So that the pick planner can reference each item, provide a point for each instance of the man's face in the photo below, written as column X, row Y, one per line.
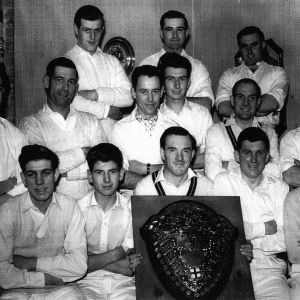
column 147, row 95
column 62, row 87
column 251, row 48
column 252, row 158
column 39, row 177
column 89, row 34
column 177, row 155
column 176, row 83
column 173, row 34
column 245, row 101
column 105, row 177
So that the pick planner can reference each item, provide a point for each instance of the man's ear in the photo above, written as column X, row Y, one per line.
column 23, row 179
column 133, row 93
column 268, row 156
column 161, row 35
column 258, row 103
column 232, row 100
column 122, row 173
column 75, row 30
column 90, row 178
column 162, row 154
column 237, row 156
column 264, row 44
column 56, row 175
column 46, row 81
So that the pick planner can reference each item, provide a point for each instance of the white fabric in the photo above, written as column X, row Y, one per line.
column 289, row 149
column 272, row 80
column 200, row 80
column 104, row 73
column 59, row 241
column 11, row 142
column 260, row 205
column 106, row 231
column 146, row 185
column 135, row 142
column 193, row 117
column 66, row 138
column 219, row 148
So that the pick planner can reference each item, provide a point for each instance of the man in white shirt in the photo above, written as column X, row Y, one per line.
column 176, row 71
column 177, row 149
column 262, row 198
column 63, row 129
column 108, row 226
column 138, row 135
column 103, row 84
column 11, row 142
column 272, row 80
column 42, row 238
column 174, row 32
column 221, row 139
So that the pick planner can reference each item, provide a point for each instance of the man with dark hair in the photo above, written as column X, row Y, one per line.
column 272, row 80
column 63, row 129
column 11, row 142
column 177, row 149
column 42, row 236
column 108, row 226
column 175, row 70
column 221, row 139
column 262, row 199
column 103, row 84
column 137, row 135
column 174, row 33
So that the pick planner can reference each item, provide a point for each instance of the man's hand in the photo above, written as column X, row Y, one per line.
column 225, row 164
column 137, row 167
column 134, row 260
column 51, row 280
column 22, row 262
column 247, row 250
column 89, row 94
column 7, row 185
column 270, row 227
column 119, row 253
column 85, row 150
column 114, row 113
column 296, row 162
column 124, row 267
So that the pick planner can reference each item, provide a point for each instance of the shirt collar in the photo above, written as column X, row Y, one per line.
column 46, row 110
column 259, row 64
column 232, row 122
column 161, row 177
column 164, row 108
column 163, row 51
column 133, row 114
column 81, row 51
column 27, row 203
column 119, row 203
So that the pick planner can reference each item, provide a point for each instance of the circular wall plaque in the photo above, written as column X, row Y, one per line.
column 123, row 51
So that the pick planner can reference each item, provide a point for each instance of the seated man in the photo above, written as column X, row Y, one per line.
column 108, row 226
column 221, row 139
column 177, row 149
column 291, row 226
column 176, row 71
column 103, row 83
column 174, row 32
column 137, row 135
column 262, row 199
column 272, row 80
column 290, row 157
column 63, row 129
column 11, row 142
column 42, row 238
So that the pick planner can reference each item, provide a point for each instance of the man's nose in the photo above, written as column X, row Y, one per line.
column 92, row 34
column 177, row 83
column 106, row 178
column 39, row 179
column 175, row 33
column 179, row 155
column 150, row 96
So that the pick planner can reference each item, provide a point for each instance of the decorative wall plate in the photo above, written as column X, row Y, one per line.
column 123, row 51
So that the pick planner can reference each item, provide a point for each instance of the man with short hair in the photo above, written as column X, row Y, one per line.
column 174, row 32
column 137, row 135
column 42, row 238
column 103, row 84
column 177, row 149
column 272, row 80
column 176, row 70
column 63, row 129
column 262, row 199
column 221, row 139
column 11, row 142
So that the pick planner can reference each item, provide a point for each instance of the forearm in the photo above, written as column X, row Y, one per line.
column 130, row 180
column 70, row 159
column 268, row 105
column 292, row 176
column 204, row 101
column 225, row 109
column 120, row 267
column 198, row 161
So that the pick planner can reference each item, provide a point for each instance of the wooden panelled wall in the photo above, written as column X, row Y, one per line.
column 44, row 29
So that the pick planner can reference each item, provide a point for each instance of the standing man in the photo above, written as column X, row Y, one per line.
column 221, row 139
column 103, row 84
column 262, row 199
column 272, row 80
column 63, row 129
column 42, row 238
column 174, row 32
column 177, row 149
column 176, row 71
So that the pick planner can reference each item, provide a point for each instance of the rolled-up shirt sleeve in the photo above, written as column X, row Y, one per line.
column 73, row 264
column 289, row 150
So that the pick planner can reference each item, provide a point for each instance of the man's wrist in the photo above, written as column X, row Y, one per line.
column 148, row 168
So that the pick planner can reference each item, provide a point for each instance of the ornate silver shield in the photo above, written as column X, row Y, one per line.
column 191, row 248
